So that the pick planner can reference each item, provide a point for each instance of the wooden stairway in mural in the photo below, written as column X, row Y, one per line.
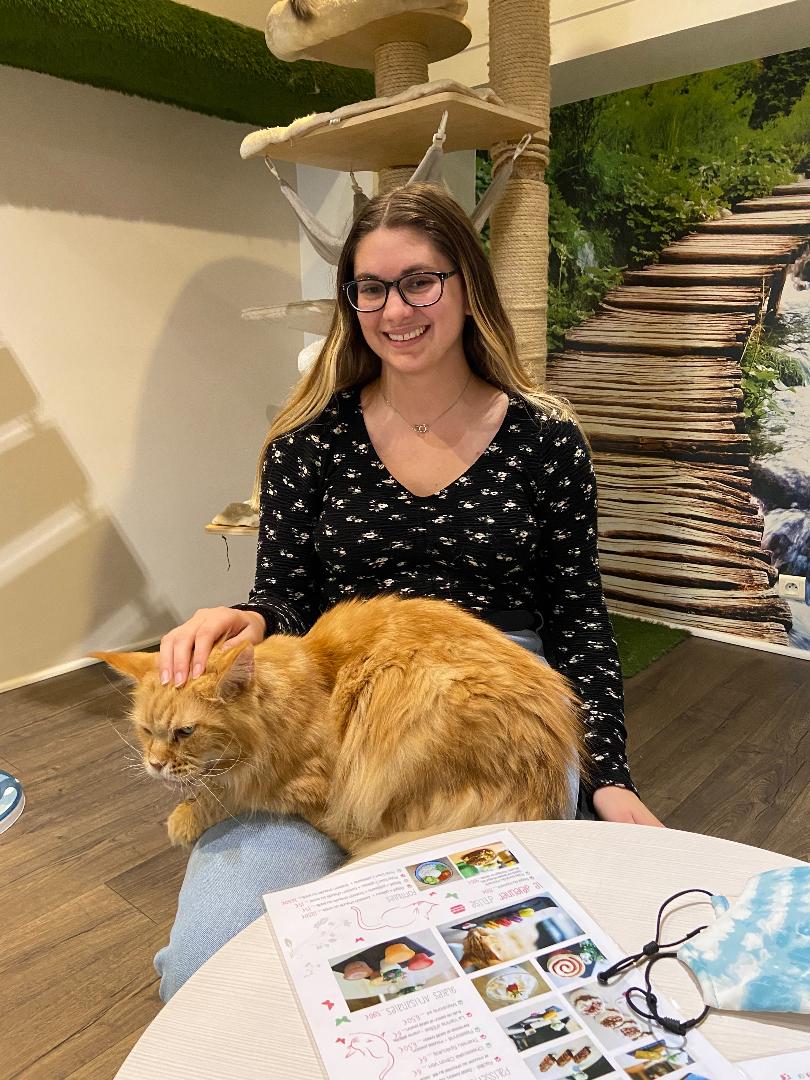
column 654, row 377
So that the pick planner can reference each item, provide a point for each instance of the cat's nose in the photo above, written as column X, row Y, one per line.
column 156, row 765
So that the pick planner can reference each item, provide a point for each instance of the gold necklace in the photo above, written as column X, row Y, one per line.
column 422, row 429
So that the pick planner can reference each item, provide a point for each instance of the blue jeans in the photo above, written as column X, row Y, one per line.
column 236, row 861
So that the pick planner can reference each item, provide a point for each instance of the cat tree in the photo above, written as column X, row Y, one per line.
column 398, row 39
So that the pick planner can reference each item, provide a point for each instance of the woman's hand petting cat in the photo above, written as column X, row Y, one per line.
column 187, row 647
column 620, row 804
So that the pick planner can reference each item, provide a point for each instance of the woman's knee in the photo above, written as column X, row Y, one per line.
column 230, row 867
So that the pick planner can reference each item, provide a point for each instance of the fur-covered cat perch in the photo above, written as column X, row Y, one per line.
column 348, row 33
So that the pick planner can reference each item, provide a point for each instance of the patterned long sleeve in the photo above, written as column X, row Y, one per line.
column 512, row 537
column 287, row 589
column 577, row 633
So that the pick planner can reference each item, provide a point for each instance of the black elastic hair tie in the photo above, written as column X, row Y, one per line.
column 652, row 952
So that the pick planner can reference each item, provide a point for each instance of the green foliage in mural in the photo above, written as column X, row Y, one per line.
column 778, row 84
column 631, row 172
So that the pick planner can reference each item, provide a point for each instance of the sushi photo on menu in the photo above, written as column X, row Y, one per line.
column 538, row 1023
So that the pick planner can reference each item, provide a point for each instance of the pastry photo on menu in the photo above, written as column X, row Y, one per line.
column 509, row 985
column 482, row 860
column 390, row 970
column 573, row 964
column 538, row 1024
column 655, row 1059
column 605, row 1011
column 481, row 941
column 581, row 1059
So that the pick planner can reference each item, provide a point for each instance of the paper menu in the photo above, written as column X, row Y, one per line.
column 469, row 964
column 790, row 1066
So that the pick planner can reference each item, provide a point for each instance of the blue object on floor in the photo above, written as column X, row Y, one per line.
column 12, row 800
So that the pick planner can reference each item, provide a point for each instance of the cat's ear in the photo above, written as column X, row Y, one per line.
column 135, row 665
column 235, row 668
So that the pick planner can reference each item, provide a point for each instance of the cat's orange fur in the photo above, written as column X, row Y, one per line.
column 389, row 716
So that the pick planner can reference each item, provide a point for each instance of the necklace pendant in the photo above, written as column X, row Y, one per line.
column 421, row 429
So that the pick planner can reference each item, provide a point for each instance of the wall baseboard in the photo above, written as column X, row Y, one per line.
column 752, row 643
column 72, row 665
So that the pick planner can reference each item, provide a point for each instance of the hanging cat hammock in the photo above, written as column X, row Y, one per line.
column 429, row 170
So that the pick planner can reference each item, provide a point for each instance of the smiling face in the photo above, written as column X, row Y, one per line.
column 411, row 339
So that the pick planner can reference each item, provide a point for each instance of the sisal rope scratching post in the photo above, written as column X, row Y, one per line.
column 398, row 65
column 519, row 54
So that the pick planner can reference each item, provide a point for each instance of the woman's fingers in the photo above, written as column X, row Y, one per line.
column 620, row 804
column 185, row 650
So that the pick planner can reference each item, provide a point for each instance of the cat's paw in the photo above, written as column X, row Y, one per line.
column 183, row 826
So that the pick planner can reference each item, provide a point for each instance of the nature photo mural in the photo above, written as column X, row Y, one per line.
column 679, row 328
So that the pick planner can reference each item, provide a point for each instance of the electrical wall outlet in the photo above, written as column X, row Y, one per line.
column 792, row 587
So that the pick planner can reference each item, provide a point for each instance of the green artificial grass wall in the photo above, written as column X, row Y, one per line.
column 642, row 642
column 172, row 53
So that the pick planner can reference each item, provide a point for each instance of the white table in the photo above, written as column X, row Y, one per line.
column 237, row 1018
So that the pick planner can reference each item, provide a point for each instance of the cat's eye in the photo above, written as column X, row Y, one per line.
column 183, row 732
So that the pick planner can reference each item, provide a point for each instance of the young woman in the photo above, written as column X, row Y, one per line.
column 415, row 456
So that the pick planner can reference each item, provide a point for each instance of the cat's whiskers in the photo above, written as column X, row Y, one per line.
column 115, row 685
column 212, row 770
column 221, row 803
column 209, row 769
column 132, row 746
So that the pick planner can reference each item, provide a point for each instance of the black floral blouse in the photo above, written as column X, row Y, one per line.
column 514, row 536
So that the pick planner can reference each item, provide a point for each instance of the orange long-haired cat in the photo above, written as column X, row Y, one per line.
column 388, row 716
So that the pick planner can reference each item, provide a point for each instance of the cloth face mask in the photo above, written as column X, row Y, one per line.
column 755, row 957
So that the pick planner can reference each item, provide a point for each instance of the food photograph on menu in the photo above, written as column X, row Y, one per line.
column 509, row 985
column 391, row 970
column 540, row 1023
column 481, row 941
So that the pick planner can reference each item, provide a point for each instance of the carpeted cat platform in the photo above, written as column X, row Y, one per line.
column 641, row 643
column 173, row 53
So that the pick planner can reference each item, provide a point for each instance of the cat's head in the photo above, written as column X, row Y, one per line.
column 199, row 730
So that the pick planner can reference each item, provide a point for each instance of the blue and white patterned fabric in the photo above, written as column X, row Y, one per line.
column 756, row 955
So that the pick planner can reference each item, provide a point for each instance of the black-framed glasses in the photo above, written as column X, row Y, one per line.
column 419, row 289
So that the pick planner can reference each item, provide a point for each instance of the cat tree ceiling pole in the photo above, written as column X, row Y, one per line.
column 398, row 65
column 519, row 56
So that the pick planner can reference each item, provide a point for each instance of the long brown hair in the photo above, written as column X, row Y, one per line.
column 488, row 338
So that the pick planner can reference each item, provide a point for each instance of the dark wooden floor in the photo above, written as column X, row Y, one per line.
column 719, row 744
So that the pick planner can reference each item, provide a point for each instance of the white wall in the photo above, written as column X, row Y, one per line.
column 133, row 397
column 599, row 46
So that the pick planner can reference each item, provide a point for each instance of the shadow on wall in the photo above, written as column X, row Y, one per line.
column 54, row 544
column 202, row 416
